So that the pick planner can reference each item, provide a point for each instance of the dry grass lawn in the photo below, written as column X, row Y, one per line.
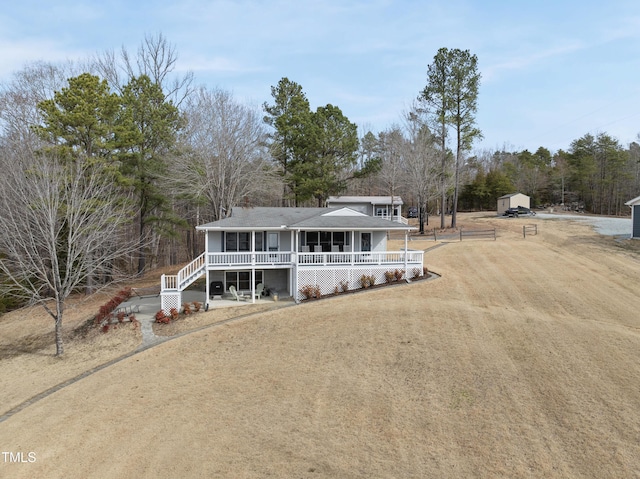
column 521, row 361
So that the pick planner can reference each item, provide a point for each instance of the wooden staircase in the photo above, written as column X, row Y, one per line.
column 172, row 285
column 185, row 277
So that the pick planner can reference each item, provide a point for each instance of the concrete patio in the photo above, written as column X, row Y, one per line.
column 145, row 307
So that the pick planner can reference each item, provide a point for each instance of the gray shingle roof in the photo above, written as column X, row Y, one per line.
column 374, row 200
column 299, row 218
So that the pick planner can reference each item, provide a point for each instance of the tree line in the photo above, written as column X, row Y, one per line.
column 111, row 163
column 596, row 174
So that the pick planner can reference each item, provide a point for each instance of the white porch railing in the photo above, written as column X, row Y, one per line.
column 287, row 258
column 195, row 269
column 185, row 276
column 380, row 258
column 169, row 282
column 191, row 272
column 248, row 258
column 394, row 218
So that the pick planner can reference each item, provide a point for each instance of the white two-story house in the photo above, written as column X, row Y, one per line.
column 286, row 249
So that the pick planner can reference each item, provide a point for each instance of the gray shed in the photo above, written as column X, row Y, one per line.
column 634, row 204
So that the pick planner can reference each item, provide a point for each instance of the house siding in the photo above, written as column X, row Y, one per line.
column 379, row 241
column 215, row 242
column 277, row 280
column 367, row 209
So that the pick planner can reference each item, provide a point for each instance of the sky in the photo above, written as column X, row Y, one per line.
column 552, row 71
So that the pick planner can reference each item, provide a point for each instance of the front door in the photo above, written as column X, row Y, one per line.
column 365, row 241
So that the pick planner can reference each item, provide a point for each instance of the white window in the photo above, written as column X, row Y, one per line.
column 326, row 239
column 241, row 241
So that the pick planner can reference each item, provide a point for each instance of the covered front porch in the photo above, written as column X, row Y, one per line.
column 286, row 272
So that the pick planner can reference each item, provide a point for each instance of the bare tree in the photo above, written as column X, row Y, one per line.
column 421, row 161
column 61, row 221
column 225, row 160
column 392, row 148
column 156, row 58
column 19, row 99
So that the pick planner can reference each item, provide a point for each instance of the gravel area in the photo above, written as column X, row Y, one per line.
column 605, row 225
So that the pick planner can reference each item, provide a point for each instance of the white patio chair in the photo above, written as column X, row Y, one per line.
column 237, row 296
column 259, row 290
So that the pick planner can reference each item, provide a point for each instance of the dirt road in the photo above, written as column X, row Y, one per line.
column 522, row 360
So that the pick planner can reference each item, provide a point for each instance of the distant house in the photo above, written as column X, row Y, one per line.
column 384, row 207
column 634, row 204
column 512, row 200
column 286, row 249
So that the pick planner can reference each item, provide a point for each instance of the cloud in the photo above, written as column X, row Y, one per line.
column 526, row 60
column 198, row 62
column 14, row 55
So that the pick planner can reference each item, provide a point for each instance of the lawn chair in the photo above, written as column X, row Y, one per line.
column 237, row 296
column 259, row 290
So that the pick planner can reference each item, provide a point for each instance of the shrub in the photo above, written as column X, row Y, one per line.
column 344, row 286
column 134, row 321
column 126, row 292
column 174, row 313
column 120, row 316
column 389, row 276
column 186, row 308
column 398, row 274
column 365, row 281
column 197, row 306
column 106, row 309
column 161, row 317
column 310, row 292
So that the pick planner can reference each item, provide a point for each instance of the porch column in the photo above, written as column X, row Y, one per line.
column 206, row 288
column 206, row 269
column 253, row 247
column 253, row 284
column 293, row 280
column 406, row 253
column 353, row 247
